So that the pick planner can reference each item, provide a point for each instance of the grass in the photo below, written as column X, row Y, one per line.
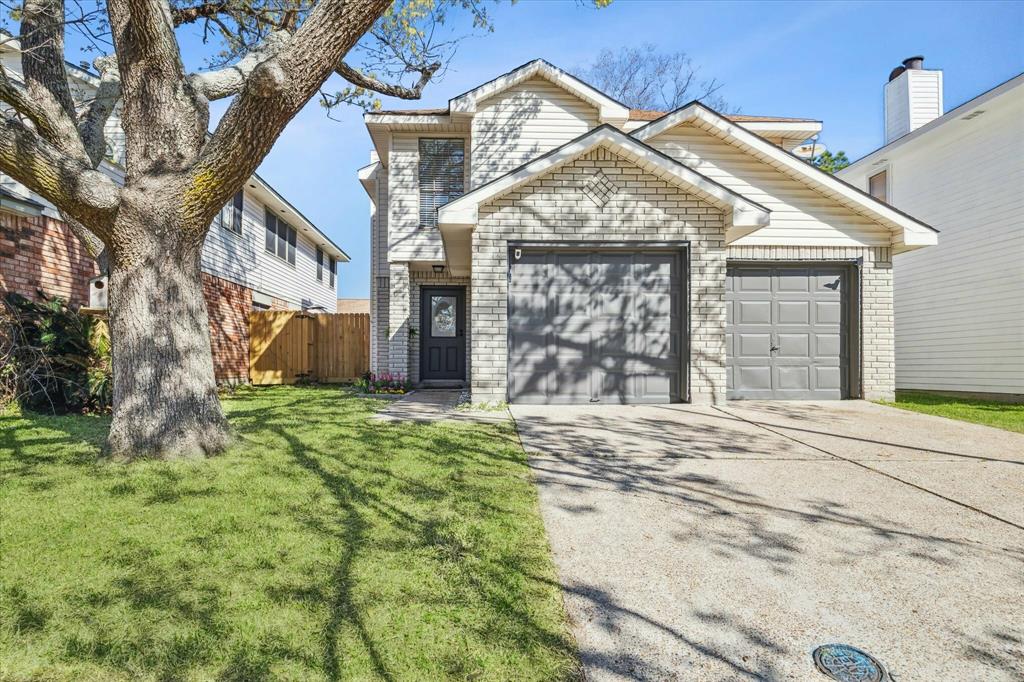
column 988, row 412
column 323, row 546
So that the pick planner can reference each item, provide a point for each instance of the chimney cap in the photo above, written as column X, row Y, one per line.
column 896, row 73
column 915, row 62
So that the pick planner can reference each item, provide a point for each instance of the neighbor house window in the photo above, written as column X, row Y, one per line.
column 230, row 216
column 441, row 175
column 319, row 265
column 878, row 186
column 280, row 238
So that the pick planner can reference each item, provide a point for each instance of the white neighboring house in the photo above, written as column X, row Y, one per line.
column 260, row 241
column 542, row 242
column 959, row 305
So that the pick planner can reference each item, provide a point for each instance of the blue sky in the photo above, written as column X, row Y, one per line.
column 820, row 60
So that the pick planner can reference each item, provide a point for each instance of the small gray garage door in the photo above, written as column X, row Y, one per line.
column 595, row 326
column 786, row 331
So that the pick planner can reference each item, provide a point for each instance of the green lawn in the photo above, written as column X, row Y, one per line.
column 324, row 545
column 988, row 412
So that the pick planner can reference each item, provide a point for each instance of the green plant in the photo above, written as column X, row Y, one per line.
column 55, row 359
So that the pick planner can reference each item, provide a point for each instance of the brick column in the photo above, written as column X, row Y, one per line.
column 879, row 337
column 708, row 313
column 398, row 319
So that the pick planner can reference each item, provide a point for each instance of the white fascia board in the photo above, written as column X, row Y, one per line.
column 609, row 111
column 406, row 119
column 464, row 210
column 872, row 207
column 368, row 178
column 788, row 129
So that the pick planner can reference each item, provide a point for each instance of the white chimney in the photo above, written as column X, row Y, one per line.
column 913, row 97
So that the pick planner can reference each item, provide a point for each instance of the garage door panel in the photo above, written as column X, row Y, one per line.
column 754, row 377
column 750, row 281
column 610, row 329
column 828, row 312
column 793, row 345
column 753, row 312
column 827, row 345
column 797, row 377
column 793, row 312
column 753, row 345
column 795, row 352
column 795, row 280
column 826, row 378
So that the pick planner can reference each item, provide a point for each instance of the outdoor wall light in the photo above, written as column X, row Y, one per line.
column 438, row 269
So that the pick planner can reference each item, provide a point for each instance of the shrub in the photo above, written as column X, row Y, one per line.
column 384, row 383
column 54, row 359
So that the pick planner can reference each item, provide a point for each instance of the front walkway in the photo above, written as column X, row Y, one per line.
column 711, row 544
column 432, row 404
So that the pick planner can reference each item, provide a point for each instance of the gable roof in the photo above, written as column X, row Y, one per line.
column 463, row 211
column 912, row 232
column 609, row 109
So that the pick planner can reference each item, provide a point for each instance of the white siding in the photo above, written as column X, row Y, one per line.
column 243, row 259
column 522, row 123
column 960, row 305
column 799, row 215
column 406, row 241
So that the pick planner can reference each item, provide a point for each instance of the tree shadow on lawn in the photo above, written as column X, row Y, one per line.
column 395, row 552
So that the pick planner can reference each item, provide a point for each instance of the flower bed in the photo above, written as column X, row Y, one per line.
column 386, row 382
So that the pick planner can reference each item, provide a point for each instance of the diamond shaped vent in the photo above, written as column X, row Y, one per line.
column 599, row 188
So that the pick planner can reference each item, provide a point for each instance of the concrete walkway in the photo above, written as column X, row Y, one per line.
column 431, row 405
column 725, row 544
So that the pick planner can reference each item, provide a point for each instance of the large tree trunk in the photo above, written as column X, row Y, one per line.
column 165, row 395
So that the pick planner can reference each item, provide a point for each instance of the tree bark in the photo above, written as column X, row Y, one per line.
column 165, row 394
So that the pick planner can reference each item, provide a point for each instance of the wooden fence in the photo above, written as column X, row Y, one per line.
column 286, row 345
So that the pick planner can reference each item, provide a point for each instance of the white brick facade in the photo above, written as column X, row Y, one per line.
column 645, row 208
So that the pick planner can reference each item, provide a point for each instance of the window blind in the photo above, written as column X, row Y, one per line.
column 441, row 175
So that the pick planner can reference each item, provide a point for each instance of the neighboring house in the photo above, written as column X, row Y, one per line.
column 960, row 306
column 354, row 305
column 260, row 253
column 544, row 243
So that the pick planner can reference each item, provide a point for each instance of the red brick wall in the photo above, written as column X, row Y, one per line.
column 229, row 305
column 42, row 253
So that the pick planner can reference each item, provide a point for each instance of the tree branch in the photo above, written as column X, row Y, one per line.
column 232, row 79
column 391, row 90
column 46, row 80
column 70, row 183
column 274, row 92
column 93, row 121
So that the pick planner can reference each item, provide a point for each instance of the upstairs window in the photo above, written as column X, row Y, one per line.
column 231, row 215
column 441, row 175
column 319, row 265
column 332, row 266
column 280, row 238
column 878, row 186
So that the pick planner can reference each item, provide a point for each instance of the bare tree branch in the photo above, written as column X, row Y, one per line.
column 362, row 80
column 231, row 79
column 93, row 120
column 46, row 79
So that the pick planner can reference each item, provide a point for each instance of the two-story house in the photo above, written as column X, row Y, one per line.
column 959, row 306
column 541, row 242
column 260, row 253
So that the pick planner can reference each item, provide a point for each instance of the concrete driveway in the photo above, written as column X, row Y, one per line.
column 726, row 544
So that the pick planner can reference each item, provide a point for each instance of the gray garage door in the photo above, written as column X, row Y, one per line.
column 595, row 326
column 786, row 332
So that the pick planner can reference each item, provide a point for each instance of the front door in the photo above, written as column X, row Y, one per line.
column 443, row 334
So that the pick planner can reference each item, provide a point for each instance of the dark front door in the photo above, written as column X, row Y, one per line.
column 443, row 333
